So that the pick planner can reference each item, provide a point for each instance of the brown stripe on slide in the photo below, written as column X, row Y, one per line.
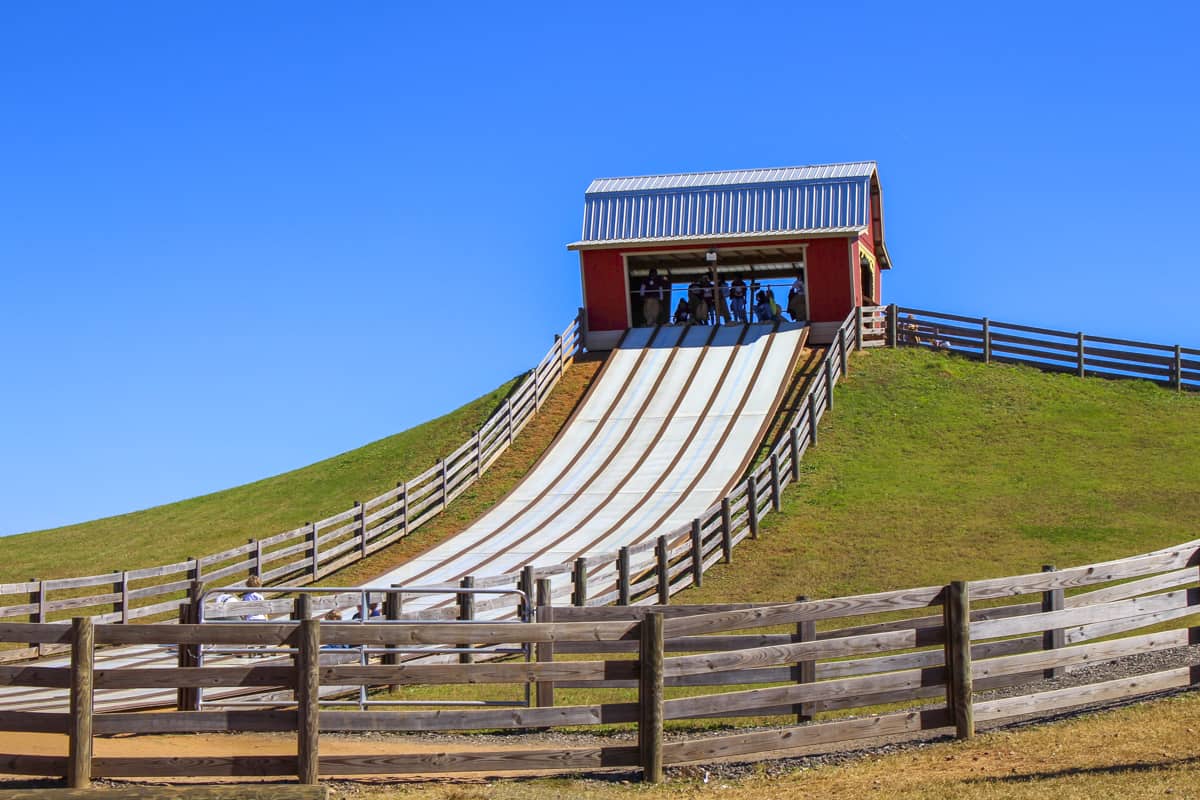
column 579, row 453
column 624, row 438
column 650, row 447
column 713, row 394
column 757, row 439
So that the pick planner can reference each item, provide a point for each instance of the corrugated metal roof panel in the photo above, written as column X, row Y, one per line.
column 796, row 199
column 691, row 180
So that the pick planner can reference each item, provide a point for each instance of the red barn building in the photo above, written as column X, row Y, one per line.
column 767, row 226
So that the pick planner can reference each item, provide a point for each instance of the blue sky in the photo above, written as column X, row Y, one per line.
column 236, row 238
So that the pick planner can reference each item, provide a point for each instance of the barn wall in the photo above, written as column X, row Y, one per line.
column 830, row 293
column 604, row 290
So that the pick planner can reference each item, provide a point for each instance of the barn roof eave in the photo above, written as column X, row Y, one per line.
column 814, row 233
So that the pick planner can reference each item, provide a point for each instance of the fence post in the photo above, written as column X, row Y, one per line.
column 752, row 504
column 987, row 341
column 892, row 324
column 122, row 605
column 579, row 578
column 650, row 697
column 445, row 484
column 313, row 550
column 623, row 576
column 812, row 418
column 188, row 655
column 525, row 583
column 663, row 565
column 1178, row 368
column 957, row 619
column 83, row 655
column 544, row 690
column 1053, row 600
column 843, row 357
column 776, row 490
column 308, row 694
column 829, row 380
column 391, row 612
column 794, row 444
column 1082, row 369
column 255, row 568
column 478, row 456
column 806, row 631
column 726, row 531
column 858, row 328
column 402, row 512
column 466, row 612
column 508, row 419
column 697, row 553
column 39, row 612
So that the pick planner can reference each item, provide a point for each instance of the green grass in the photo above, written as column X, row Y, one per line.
column 933, row 468
column 212, row 522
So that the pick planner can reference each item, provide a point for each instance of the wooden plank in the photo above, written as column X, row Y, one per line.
column 790, row 653
column 192, row 766
column 1075, row 577
column 814, row 609
column 650, row 697
column 714, row 705
column 266, row 633
column 240, row 791
column 1044, row 702
column 191, row 677
column 1110, row 627
column 35, row 721
column 16, row 764
column 1080, row 654
column 481, row 761
column 257, row 720
column 1155, row 583
column 1080, row 615
column 45, row 677
column 804, row 736
column 475, row 719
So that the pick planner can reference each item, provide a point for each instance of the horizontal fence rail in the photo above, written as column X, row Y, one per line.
column 941, row 650
column 304, row 554
column 1073, row 352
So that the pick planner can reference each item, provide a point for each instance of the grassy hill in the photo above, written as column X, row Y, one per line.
column 228, row 518
column 932, row 468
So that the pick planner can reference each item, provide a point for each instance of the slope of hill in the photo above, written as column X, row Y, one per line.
column 933, row 467
column 228, row 518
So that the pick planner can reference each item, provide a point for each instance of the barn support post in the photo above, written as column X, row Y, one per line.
column 1053, row 600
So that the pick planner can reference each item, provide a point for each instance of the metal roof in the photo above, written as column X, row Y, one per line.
column 732, row 203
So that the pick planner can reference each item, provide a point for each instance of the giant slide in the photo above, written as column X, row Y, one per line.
column 669, row 425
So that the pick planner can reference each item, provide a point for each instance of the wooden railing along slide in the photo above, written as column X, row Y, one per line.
column 938, row 649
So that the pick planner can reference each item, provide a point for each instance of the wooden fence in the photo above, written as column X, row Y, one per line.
column 942, row 650
column 1072, row 352
column 302, row 555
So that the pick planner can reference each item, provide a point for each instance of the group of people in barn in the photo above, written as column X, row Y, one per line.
column 728, row 302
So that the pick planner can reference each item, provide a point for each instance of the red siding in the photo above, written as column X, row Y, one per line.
column 830, row 295
column 604, row 290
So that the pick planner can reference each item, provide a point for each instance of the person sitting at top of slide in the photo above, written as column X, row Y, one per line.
column 796, row 300
column 683, row 314
column 653, row 292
